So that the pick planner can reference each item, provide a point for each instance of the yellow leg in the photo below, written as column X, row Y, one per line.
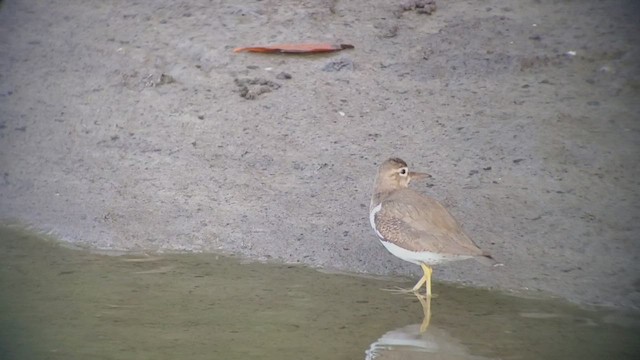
column 418, row 285
column 426, row 278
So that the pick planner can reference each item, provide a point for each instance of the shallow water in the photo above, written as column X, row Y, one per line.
column 58, row 303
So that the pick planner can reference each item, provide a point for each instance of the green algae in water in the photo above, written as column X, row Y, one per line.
column 58, row 303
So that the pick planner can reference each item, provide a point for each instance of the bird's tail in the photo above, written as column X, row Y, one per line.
column 487, row 259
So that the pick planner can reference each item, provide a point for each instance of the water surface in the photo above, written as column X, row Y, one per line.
column 59, row 303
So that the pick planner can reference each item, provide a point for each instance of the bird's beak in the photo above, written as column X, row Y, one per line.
column 418, row 175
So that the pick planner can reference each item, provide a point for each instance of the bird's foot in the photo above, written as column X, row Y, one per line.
column 399, row 290
column 425, row 296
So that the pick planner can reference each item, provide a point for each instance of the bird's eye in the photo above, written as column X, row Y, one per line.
column 403, row 171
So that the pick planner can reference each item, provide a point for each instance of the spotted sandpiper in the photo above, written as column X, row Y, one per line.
column 414, row 227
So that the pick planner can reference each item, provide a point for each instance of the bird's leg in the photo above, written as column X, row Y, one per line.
column 418, row 285
column 426, row 278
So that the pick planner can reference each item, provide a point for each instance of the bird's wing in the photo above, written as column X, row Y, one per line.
column 422, row 224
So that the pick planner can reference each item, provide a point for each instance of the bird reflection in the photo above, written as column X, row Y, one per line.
column 425, row 301
column 415, row 342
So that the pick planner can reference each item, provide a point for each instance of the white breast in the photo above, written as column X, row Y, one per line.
column 372, row 219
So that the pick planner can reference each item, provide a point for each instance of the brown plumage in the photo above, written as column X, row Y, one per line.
column 414, row 227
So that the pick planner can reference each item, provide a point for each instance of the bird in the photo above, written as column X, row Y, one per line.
column 414, row 227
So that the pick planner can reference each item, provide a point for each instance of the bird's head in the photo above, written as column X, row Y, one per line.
column 394, row 174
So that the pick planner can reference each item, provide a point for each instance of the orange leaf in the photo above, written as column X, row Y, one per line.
column 295, row 48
